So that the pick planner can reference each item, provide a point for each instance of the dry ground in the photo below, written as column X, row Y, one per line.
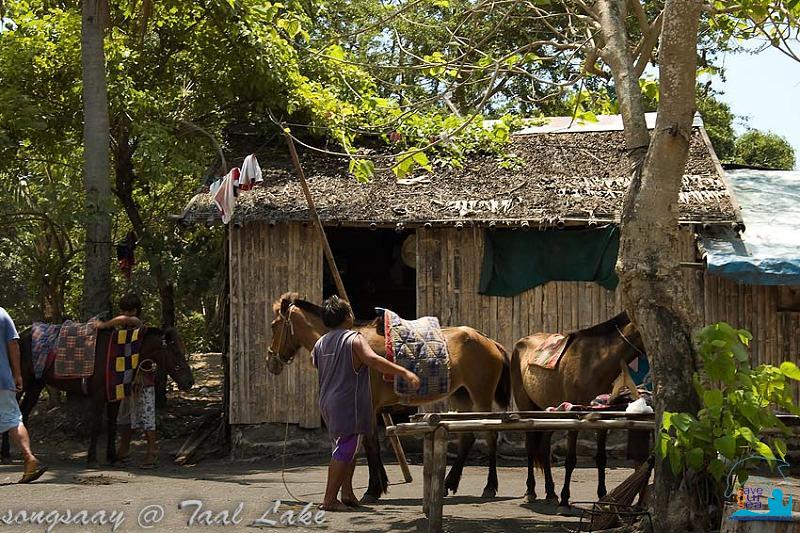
column 223, row 484
column 59, row 437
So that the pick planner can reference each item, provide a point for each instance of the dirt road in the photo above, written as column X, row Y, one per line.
column 224, row 485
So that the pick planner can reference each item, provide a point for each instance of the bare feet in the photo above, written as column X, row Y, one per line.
column 335, row 507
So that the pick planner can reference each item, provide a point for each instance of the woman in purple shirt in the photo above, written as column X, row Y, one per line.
column 343, row 359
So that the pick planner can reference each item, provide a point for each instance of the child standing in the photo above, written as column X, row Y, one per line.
column 343, row 359
column 137, row 411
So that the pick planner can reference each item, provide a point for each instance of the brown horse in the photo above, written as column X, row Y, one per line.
column 479, row 376
column 164, row 348
column 588, row 367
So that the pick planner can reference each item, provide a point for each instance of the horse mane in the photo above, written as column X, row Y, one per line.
column 604, row 328
column 305, row 305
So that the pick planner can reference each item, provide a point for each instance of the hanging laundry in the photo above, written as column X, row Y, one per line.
column 251, row 173
column 125, row 254
column 224, row 195
column 235, row 174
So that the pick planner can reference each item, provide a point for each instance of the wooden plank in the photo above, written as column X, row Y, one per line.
column 234, row 355
column 437, row 490
column 427, row 471
column 575, row 303
column 772, row 324
column 269, row 293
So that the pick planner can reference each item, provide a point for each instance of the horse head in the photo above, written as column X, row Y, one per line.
column 631, row 336
column 171, row 355
column 285, row 344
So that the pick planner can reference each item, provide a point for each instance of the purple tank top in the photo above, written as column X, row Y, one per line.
column 345, row 399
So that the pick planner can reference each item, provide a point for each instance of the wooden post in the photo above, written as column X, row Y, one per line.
column 427, row 464
column 436, row 491
column 321, row 231
column 398, row 449
column 387, row 419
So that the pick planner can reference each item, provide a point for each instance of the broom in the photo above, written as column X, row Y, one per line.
column 623, row 494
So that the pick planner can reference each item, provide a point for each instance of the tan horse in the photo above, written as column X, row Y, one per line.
column 479, row 376
column 588, row 367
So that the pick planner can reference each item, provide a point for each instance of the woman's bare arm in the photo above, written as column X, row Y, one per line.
column 367, row 355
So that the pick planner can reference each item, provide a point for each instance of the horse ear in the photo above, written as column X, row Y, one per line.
column 285, row 303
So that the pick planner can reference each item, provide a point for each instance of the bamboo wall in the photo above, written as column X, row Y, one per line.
column 265, row 262
column 448, row 274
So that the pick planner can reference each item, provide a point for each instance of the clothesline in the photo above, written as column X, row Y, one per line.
column 225, row 191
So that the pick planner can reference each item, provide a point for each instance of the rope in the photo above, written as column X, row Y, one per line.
column 283, row 465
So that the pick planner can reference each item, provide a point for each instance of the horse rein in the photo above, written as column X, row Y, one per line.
column 635, row 348
column 287, row 325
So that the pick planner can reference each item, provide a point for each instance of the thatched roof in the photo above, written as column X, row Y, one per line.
column 570, row 175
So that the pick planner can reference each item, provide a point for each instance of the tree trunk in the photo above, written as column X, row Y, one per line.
column 125, row 179
column 97, row 268
column 649, row 270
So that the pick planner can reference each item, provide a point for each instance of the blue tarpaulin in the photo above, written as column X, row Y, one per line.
column 768, row 252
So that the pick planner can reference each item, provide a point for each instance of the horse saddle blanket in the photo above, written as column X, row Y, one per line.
column 124, row 349
column 419, row 346
column 549, row 352
column 44, row 338
column 75, row 350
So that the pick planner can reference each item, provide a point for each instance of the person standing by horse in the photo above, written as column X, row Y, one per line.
column 137, row 411
column 10, row 385
column 343, row 359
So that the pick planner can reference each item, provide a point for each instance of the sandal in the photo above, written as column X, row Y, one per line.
column 32, row 475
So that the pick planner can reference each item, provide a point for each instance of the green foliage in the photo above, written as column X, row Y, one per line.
column 738, row 404
column 768, row 150
column 718, row 120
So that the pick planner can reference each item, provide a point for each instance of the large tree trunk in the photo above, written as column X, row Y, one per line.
column 648, row 266
column 97, row 269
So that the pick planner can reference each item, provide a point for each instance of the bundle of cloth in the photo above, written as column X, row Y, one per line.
column 607, row 402
column 225, row 190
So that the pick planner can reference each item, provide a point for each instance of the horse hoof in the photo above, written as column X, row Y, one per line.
column 368, row 499
column 563, row 510
column 489, row 493
column 531, row 498
column 552, row 500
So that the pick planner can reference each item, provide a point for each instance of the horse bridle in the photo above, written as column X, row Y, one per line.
column 626, row 339
column 287, row 326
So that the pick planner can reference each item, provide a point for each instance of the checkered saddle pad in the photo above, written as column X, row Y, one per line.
column 75, row 350
column 124, row 348
column 44, row 338
column 549, row 352
column 419, row 346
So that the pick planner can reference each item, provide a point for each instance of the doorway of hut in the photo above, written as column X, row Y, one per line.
column 377, row 269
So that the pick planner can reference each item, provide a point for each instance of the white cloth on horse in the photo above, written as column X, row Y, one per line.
column 251, row 173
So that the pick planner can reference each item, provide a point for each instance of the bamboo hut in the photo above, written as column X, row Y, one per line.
column 417, row 246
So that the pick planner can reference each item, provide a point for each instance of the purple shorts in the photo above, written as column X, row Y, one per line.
column 345, row 448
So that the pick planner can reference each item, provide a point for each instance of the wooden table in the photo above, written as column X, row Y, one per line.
column 435, row 429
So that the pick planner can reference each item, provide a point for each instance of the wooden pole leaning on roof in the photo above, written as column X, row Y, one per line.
column 387, row 418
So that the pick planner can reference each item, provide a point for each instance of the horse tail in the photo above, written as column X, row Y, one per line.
column 541, row 449
column 502, row 392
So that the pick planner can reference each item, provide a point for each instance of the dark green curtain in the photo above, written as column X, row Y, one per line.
column 515, row 261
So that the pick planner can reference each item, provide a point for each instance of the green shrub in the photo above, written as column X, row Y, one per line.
column 739, row 404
